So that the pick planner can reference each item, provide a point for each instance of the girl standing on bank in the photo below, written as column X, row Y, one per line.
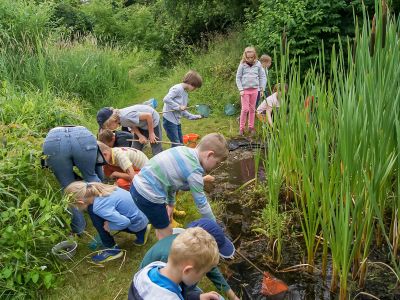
column 250, row 79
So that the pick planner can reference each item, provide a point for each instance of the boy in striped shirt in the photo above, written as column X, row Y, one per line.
column 123, row 163
column 178, row 168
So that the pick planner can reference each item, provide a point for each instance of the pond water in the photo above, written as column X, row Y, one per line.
column 241, row 209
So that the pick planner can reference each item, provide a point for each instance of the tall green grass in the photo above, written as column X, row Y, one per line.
column 340, row 157
column 33, row 213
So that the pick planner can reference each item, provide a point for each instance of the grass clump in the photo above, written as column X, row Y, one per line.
column 33, row 211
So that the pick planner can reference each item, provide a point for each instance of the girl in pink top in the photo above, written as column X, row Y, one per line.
column 264, row 110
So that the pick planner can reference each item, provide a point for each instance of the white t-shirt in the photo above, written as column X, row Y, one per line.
column 271, row 101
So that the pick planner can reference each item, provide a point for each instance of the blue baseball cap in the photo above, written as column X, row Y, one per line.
column 225, row 246
column 103, row 115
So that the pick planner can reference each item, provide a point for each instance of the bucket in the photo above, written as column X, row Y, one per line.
column 65, row 250
column 190, row 139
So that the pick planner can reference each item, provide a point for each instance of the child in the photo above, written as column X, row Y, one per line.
column 179, row 168
column 160, row 251
column 266, row 62
column 175, row 103
column 113, row 209
column 122, row 163
column 143, row 120
column 250, row 79
column 265, row 108
column 193, row 253
column 115, row 139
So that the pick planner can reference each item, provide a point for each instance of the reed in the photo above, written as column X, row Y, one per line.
column 340, row 154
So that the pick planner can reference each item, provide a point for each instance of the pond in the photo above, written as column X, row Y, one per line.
column 241, row 210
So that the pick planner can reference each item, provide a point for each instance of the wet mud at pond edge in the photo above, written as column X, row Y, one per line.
column 241, row 210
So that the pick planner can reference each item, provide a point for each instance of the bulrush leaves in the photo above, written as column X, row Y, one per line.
column 373, row 37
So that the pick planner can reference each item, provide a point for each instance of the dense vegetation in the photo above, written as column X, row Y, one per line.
column 338, row 157
column 60, row 60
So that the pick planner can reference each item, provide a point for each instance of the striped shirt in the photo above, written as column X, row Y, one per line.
column 125, row 157
column 174, row 169
column 177, row 97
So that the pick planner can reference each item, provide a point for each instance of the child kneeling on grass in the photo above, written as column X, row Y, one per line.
column 178, row 168
column 111, row 208
column 122, row 163
column 160, row 251
column 193, row 253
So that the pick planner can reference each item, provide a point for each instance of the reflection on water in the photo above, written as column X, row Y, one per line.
column 241, row 171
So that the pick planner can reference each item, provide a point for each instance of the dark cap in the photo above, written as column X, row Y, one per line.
column 103, row 115
column 225, row 246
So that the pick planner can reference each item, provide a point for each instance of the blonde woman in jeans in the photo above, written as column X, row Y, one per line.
column 250, row 79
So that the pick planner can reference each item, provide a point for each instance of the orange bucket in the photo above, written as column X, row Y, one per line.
column 190, row 139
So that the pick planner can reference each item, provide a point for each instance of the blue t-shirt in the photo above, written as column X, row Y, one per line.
column 164, row 282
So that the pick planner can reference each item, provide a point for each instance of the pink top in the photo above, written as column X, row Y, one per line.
column 269, row 103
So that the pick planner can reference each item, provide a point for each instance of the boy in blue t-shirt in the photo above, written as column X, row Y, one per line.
column 193, row 253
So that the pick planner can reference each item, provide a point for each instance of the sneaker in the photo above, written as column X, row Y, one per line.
column 107, row 255
column 252, row 132
column 241, row 132
column 138, row 241
column 179, row 213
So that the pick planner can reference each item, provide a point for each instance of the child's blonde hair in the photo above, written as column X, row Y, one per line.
column 80, row 190
column 248, row 50
column 214, row 142
column 106, row 136
column 193, row 78
column 196, row 246
column 113, row 118
column 278, row 87
column 265, row 58
column 103, row 147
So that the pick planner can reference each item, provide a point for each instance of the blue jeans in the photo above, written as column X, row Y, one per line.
column 174, row 132
column 156, row 147
column 66, row 147
column 106, row 238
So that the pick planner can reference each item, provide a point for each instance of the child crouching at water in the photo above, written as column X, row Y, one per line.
column 193, row 253
column 112, row 209
column 122, row 163
column 179, row 168
column 264, row 110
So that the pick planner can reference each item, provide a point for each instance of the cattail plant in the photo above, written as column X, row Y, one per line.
column 341, row 157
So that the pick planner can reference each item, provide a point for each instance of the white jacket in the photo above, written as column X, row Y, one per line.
column 147, row 289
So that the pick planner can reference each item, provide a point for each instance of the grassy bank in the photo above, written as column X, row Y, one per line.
column 86, row 280
column 65, row 83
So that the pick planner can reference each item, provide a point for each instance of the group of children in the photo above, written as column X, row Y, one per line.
column 144, row 193
column 251, row 80
column 187, row 256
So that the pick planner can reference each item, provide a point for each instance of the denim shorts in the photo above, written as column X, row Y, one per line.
column 155, row 212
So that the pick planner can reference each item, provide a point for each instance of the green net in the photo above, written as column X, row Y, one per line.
column 203, row 109
column 230, row 109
